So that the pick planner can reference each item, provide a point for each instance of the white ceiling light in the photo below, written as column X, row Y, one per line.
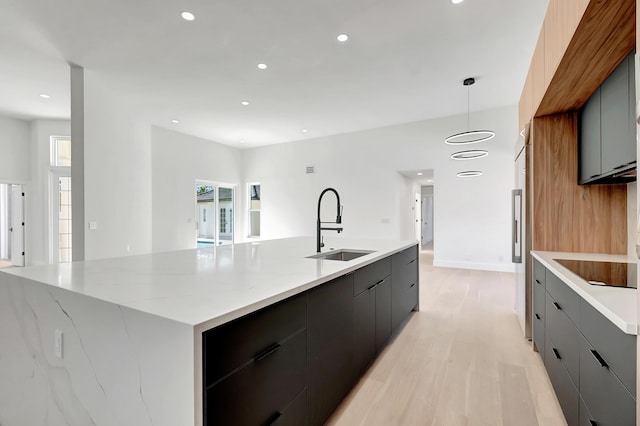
column 419, row 173
column 456, row 1
column 470, row 136
column 44, row 96
column 174, row 121
column 471, row 154
column 245, row 103
column 187, row 16
column 343, row 37
column 469, row 173
column 241, row 141
column 262, row 66
column 304, row 130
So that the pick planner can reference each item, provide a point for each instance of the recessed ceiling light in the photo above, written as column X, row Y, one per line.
column 419, row 173
column 429, row 180
column 304, row 130
column 262, row 66
column 188, row 16
column 44, row 96
column 456, row 1
column 343, row 37
column 245, row 103
column 241, row 141
column 174, row 121
column 469, row 173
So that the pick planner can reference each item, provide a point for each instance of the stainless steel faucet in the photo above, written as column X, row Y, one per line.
column 319, row 241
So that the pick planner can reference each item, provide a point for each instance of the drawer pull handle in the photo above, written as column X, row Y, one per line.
column 538, row 282
column 537, row 316
column 598, row 357
column 593, row 423
column 375, row 285
column 413, row 285
column 619, row 167
column 411, row 262
column 269, row 351
column 594, row 176
column 555, row 305
column 556, row 353
column 273, row 418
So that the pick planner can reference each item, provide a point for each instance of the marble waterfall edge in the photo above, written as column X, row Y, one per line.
column 119, row 366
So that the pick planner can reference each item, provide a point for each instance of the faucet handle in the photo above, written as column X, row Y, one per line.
column 322, row 241
column 339, row 218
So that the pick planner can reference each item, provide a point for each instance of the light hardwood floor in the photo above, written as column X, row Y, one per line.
column 461, row 360
column 5, row 263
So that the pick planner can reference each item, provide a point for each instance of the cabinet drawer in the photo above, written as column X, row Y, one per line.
column 586, row 419
column 606, row 398
column 566, row 299
column 371, row 275
column 616, row 348
column 256, row 393
column 565, row 390
column 564, row 338
column 539, row 272
column 294, row 414
column 406, row 256
column 539, row 317
column 231, row 345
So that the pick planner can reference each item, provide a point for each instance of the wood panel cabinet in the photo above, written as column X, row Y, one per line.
column 591, row 363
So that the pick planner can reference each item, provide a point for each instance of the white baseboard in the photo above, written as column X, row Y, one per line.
column 498, row 267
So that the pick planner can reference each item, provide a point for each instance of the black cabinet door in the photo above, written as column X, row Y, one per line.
column 330, row 333
column 365, row 330
column 383, row 313
column 618, row 145
column 589, row 150
column 404, row 290
column 564, row 387
column 539, row 314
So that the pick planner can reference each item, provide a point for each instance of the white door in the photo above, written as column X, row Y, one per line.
column 17, row 225
column 417, row 213
column 427, row 219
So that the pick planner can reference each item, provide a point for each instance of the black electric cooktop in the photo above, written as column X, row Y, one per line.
column 614, row 274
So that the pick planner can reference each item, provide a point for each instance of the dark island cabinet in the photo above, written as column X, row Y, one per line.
column 591, row 362
column 372, row 310
column 292, row 363
column 330, row 347
column 404, row 278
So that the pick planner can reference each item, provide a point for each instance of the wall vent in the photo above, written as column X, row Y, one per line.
column 310, row 169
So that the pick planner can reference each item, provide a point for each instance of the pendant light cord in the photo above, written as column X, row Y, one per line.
column 468, row 101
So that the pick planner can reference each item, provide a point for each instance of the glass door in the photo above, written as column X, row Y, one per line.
column 215, row 214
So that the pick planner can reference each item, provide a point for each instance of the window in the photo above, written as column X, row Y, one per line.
column 254, row 210
column 214, row 207
column 223, row 220
column 60, row 151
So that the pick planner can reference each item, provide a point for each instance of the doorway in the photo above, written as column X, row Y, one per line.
column 60, row 238
column 11, row 225
column 215, row 214
column 427, row 217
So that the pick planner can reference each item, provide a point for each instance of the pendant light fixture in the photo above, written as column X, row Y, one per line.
column 470, row 136
column 471, row 154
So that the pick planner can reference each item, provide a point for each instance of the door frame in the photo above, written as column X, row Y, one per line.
column 234, row 215
column 54, row 207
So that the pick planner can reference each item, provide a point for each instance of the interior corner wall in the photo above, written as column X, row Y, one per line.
column 472, row 216
column 177, row 161
column 37, row 192
column 14, row 150
column 117, row 174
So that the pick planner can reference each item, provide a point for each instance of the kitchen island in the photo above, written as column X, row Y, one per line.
column 119, row 341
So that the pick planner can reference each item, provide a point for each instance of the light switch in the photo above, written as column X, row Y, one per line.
column 57, row 343
column 93, row 225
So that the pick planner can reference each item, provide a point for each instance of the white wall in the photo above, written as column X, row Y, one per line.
column 37, row 192
column 472, row 216
column 178, row 160
column 117, row 174
column 14, row 150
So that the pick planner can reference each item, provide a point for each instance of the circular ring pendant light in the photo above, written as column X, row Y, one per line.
column 470, row 136
column 471, row 154
column 469, row 173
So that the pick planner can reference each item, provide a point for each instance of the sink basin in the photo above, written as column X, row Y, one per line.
column 342, row 254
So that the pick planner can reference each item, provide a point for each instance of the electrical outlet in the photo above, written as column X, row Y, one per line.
column 93, row 225
column 57, row 343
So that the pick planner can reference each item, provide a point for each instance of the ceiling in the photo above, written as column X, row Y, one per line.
column 404, row 61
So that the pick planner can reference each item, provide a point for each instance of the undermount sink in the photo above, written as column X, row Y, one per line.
column 342, row 254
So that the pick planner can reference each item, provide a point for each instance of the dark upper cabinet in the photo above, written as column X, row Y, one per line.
column 589, row 138
column 607, row 129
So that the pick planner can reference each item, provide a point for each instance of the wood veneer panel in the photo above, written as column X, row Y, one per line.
column 525, row 107
column 566, row 216
column 604, row 36
column 536, row 69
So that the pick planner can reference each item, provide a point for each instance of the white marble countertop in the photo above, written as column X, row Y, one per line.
column 619, row 305
column 207, row 287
